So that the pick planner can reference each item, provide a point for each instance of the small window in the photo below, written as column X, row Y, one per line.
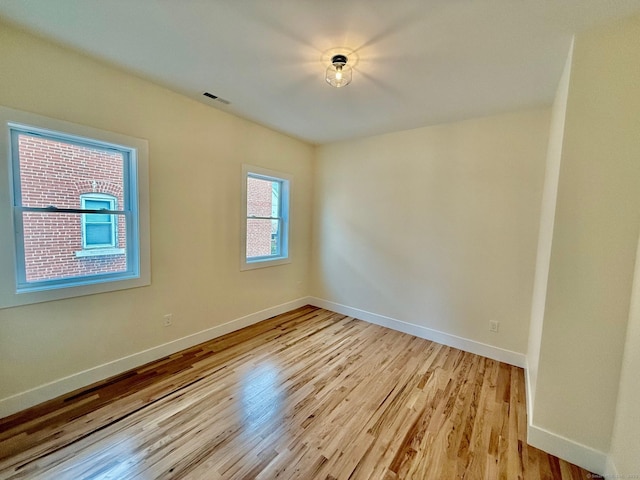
column 266, row 211
column 75, row 200
column 98, row 229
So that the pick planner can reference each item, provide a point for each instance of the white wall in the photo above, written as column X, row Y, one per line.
column 435, row 226
column 595, row 235
column 196, row 153
column 545, row 233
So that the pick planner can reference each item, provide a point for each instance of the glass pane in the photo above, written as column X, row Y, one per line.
column 263, row 237
column 54, row 172
column 98, row 234
column 262, row 197
column 97, row 204
column 53, row 248
column 98, row 218
column 275, row 237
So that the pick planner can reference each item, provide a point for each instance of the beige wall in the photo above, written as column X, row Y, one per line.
column 595, row 235
column 625, row 443
column 195, row 160
column 435, row 226
column 545, row 233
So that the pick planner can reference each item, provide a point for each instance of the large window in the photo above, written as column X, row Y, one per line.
column 266, row 208
column 76, row 220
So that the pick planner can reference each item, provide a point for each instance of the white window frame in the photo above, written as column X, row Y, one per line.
column 14, row 290
column 285, row 181
column 113, row 222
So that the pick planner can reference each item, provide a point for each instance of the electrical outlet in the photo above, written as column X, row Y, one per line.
column 168, row 319
column 494, row 326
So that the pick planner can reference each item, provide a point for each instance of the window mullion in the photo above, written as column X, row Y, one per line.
column 71, row 210
column 252, row 217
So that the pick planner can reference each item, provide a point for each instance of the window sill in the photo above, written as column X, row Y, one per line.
column 264, row 262
column 99, row 252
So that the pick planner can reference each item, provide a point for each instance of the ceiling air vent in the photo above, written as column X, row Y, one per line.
column 216, row 98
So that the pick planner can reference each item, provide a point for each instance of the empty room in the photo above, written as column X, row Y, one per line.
column 324, row 240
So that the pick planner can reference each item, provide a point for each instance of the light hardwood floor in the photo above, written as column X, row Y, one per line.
column 309, row 394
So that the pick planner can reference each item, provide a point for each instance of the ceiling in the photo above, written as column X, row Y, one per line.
column 416, row 62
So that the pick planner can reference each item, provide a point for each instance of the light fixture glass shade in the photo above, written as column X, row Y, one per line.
column 338, row 73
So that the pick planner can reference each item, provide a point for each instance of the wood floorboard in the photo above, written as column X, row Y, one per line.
column 310, row 394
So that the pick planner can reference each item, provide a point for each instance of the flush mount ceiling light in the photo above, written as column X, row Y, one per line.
column 338, row 73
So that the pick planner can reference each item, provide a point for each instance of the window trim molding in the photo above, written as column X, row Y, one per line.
column 9, row 296
column 287, row 185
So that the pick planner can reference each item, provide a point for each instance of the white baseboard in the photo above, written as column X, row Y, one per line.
column 495, row 353
column 61, row 386
column 528, row 390
column 611, row 471
column 586, row 457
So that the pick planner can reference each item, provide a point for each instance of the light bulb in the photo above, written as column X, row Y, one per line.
column 338, row 73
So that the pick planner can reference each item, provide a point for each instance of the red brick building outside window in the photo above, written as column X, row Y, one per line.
column 71, row 176
column 262, row 201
